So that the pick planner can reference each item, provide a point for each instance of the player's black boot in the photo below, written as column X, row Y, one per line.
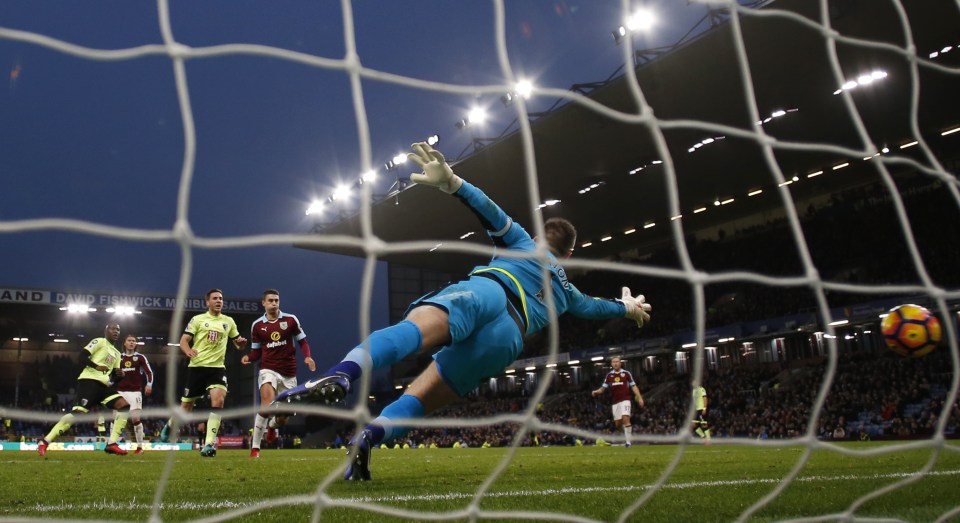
column 359, row 469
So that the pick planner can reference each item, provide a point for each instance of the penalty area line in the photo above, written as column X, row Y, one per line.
column 227, row 504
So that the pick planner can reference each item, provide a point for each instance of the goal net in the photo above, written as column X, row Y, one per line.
column 772, row 175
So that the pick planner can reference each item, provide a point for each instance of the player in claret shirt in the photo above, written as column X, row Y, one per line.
column 620, row 383
column 137, row 380
column 273, row 342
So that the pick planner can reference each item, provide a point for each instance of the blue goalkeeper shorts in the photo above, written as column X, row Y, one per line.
column 486, row 331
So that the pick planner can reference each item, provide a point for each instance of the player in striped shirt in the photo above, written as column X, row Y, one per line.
column 137, row 380
column 620, row 383
column 101, row 365
column 273, row 342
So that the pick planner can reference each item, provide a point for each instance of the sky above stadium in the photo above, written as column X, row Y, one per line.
column 103, row 140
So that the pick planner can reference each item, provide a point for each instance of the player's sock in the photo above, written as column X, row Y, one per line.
column 138, row 432
column 707, row 432
column 627, row 429
column 213, row 427
column 699, row 432
column 259, row 426
column 386, row 347
column 62, row 426
column 405, row 407
column 118, row 424
column 272, row 422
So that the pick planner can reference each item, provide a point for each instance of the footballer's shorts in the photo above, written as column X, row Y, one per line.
column 93, row 392
column 133, row 397
column 202, row 379
column 279, row 382
column 484, row 328
column 621, row 409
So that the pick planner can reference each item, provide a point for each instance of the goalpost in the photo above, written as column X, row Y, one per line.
column 920, row 72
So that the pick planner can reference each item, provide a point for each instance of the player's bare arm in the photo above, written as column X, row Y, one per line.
column 636, row 393
column 185, row 346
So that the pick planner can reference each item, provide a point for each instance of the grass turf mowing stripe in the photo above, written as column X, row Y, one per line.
column 309, row 500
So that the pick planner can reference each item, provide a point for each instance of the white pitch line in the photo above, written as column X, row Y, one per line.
column 226, row 504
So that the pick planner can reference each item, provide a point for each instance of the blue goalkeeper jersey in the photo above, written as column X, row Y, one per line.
column 525, row 276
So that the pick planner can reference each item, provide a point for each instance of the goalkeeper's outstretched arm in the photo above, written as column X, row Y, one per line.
column 437, row 173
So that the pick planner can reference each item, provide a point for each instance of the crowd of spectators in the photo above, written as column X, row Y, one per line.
column 871, row 397
column 854, row 237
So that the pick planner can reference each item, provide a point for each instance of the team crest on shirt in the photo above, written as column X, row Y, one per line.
column 224, row 325
column 135, row 358
column 283, row 325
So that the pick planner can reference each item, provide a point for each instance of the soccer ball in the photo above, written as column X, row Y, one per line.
column 910, row 330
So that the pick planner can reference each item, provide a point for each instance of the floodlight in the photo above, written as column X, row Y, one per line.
column 618, row 34
column 476, row 116
column 341, row 192
column 368, row 176
column 524, row 88
column 433, row 139
column 641, row 20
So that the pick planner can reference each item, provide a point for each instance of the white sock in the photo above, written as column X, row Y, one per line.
column 627, row 429
column 138, row 432
column 259, row 427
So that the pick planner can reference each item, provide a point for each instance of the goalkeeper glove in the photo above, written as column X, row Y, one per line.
column 636, row 307
column 436, row 172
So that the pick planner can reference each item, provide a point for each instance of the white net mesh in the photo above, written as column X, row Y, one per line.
column 921, row 70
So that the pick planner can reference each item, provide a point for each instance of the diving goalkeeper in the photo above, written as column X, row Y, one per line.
column 477, row 324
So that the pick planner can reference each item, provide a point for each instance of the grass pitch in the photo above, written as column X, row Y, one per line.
column 715, row 483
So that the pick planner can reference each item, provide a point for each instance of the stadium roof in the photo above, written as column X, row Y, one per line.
column 790, row 69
